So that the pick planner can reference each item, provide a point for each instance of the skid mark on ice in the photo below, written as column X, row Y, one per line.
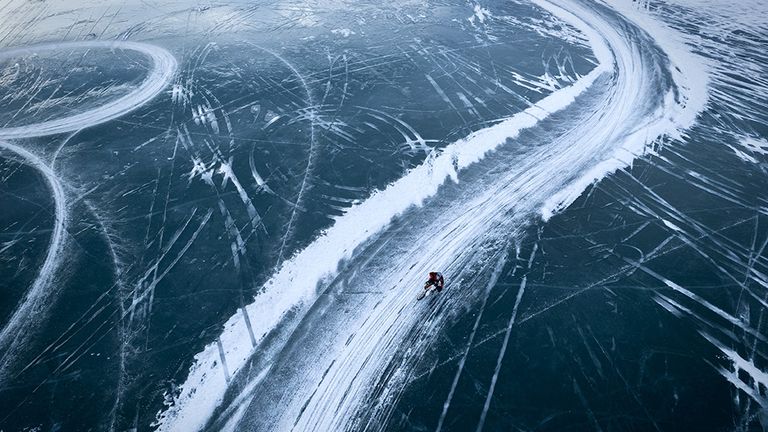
column 744, row 266
column 304, row 187
column 447, row 404
column 32, row 309
column 503, row 350
column 755, row 384
column 741, row 265
column 664, row 249
column 222, row 167
column 163, row 68
column 34, row 304
column 144, row 291
column 742, row 371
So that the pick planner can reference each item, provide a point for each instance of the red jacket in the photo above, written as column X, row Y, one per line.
column 436, row 279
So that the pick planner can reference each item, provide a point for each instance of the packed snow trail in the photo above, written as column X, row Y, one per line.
column 316, row 368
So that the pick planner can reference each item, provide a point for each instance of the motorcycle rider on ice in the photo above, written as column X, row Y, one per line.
column 436, row 280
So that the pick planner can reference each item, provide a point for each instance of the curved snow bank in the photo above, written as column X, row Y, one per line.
column 678, row 112
column 160, row 75
column 295, row 282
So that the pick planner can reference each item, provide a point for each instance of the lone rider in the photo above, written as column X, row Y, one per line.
column 436, row 280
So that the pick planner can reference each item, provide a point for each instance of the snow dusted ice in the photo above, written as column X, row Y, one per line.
column 220, row 215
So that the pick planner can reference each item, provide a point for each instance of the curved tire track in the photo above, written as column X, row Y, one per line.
column 37, row 300
column 163, row 68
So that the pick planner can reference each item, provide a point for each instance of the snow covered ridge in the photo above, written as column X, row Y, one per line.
column 293, row 286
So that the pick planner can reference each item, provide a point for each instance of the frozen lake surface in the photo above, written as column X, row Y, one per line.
column 217, row 216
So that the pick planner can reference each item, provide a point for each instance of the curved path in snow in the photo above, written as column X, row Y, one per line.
column 36, row 298
column 324, row 361
column 33, row 307
column 162, row 70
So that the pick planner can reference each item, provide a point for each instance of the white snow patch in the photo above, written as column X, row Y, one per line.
column 755, row 145
column 345, row 32
column 480, row 14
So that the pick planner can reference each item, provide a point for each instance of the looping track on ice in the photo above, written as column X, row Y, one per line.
column 326, row 352
column 163, row 69
column 32, row 308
